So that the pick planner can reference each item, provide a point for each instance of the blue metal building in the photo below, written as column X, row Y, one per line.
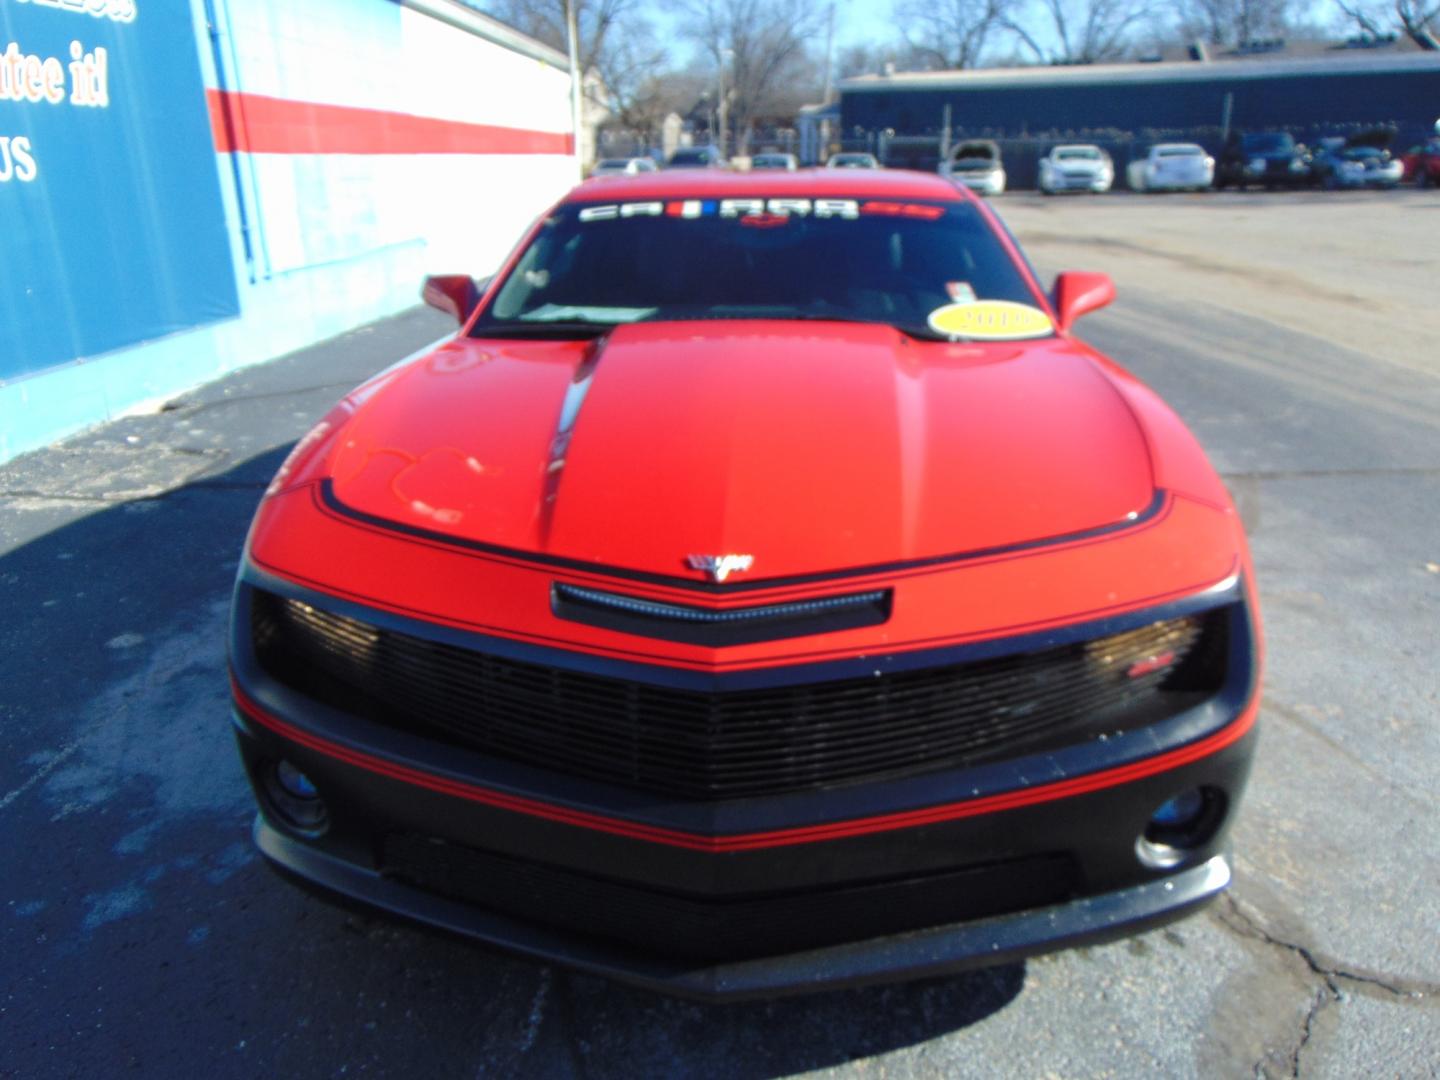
column 1325, row 90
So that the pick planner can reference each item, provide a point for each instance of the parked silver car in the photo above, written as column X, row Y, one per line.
column 849, row 160
column 976, row 165
column 630, row 166
column 784, row 162
column 1172, row 167
column 1082, row 167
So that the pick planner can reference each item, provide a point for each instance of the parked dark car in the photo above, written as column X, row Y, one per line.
column 1271, row 158
column 1348, row 166
column 696, row 157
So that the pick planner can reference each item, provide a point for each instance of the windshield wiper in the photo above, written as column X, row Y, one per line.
column 919, row 333
column 558, row 329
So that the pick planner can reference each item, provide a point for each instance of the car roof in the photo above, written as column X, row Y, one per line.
column 803, row 183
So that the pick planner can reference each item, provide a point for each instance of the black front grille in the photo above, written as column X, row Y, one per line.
column 697, row 928
column 712, row 745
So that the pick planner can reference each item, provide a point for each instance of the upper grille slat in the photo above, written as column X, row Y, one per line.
column 751, row 742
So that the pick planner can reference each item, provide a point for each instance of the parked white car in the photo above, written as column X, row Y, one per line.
column 770, row 160
column 1076, row 168
column 631, row 166
column 851, row 160
column 1172, row 167
column 977, row 166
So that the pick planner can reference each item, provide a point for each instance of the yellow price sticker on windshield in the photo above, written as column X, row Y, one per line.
column 991, row 320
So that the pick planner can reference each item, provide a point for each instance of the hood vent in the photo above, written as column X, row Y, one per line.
column 717, row 627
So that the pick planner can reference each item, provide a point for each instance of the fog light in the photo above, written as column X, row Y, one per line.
column 292, row 799
column 295, row 782
column 1180, row 825
column 1180, row 811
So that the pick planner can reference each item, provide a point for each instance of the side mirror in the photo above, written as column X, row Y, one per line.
column 454, row 294
column 1078, row 293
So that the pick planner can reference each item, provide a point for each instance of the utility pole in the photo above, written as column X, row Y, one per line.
column 573, row 37
column 726, row 55
column 829, row 55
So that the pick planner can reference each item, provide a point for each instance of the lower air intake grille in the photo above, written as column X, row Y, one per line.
column 695, row 928
column 715, row 745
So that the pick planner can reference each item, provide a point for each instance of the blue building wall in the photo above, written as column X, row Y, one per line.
column 141, row 258
column 1336, row 98
column 113, row 228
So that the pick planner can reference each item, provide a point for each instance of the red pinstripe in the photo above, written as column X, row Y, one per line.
column 806, row 834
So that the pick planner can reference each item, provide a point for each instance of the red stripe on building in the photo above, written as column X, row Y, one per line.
column 256, row 124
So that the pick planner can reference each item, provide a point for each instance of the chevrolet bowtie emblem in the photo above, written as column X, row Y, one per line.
column 719, row 567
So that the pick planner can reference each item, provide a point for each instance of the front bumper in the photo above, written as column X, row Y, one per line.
column 939, row 950
column 1000, row 861
column 991, row 182
column 1178, row 181
column 1097, row 183
column 1367, row 178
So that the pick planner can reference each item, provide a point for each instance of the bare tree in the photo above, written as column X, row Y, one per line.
column 1233, row 22
column 948, row 34
column 759, row 50
column 867, row 59
column 1369, row 17
column 1421, row 20
column 617, row 47
column 1080, row 31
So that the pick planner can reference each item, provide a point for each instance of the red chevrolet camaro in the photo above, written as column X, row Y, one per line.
column 764, row 591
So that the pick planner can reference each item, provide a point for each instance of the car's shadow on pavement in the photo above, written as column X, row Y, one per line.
column 142, row 930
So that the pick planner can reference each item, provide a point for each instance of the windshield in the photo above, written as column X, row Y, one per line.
column 1268, row 144
column 1079, row 153
column 592, row 266
column 1179, row 151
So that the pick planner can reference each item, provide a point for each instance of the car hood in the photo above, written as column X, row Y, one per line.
column 811, row 446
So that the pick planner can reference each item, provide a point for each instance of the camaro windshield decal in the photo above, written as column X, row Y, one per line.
column 741, row 209
column 991, row 320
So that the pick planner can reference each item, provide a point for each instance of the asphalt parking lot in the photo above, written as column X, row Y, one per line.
column 1295, row 333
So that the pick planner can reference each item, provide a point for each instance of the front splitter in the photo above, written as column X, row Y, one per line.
column 939, row 950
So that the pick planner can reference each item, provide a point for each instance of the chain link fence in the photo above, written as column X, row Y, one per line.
column 1021, row 154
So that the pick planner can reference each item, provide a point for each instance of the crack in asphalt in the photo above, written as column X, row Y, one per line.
column 1323, row 997
column 56, row 760
column 194, row 407
column 1329, row 991
column 1405, row 989
column 146, row 496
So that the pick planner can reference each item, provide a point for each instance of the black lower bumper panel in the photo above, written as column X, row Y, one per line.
column 936, row 951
